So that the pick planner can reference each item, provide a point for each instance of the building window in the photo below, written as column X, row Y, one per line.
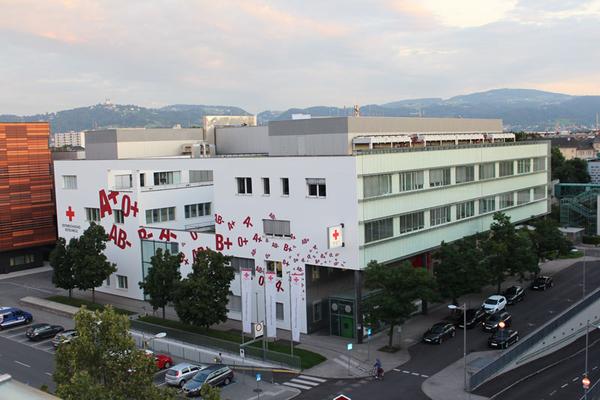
column 487, row 171
column 121, row 282
column 315, row 273
column 377, row 185
column 317, row 311
column 157, row 215
column 92, row 214
column 465, row 173
column 197, row 176
column 487, row 204
column 167, row 178
column 119, row 218
column 279, row 311
column 142, row 180
column 123, row 181
column 412, row 180
column 277, row 228
column 412, row 222
column 465, row 210
column 235, row 303
column 244, row 185
column 266, row 186
column 523, row 166
column 69, row 181
column 440, row 215
column 507, row 168
column 316, row 187
column 380, row 229
column 539, row 163
column 523, row 196
column 539, row 192
column 275, row 266
column 507, row 200
column 439, row 177
column 197, row 210
column 238, row 263
column 107, row 281
column 285, row 186
column 21, row 260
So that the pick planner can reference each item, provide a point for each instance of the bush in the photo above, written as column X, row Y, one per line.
column 595, row 240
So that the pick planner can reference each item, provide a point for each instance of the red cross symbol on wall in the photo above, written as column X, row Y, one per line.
column 70, row 214
column 335, row 234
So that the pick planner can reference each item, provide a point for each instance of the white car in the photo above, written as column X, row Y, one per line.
column 494, row 304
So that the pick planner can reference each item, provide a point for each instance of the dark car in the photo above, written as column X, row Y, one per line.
column 43, row 331
column 439, row 332
column 542, row 282
column 474, row 317
column 64, row 337
column 491, row 324
column 503, row 338
column 214, row 375
column 514, row 294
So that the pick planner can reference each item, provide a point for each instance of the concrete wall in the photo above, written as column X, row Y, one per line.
column 210, row 122
column 101, row 144
column 242, row 140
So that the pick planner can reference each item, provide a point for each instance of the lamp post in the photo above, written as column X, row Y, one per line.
column 583, row 290
column 159, row 335
column 464, row 310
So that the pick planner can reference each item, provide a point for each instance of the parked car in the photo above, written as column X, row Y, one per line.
column 162, row 361
column 43, row 331
column 491, row 323
column 179, row 374
column 10, row 316
column 494, row 303
column 439, row 332
column 514, row 294
column 474, row 317
column 64, row 337
column 542, row 282
column 214, row 375
column 503, row 338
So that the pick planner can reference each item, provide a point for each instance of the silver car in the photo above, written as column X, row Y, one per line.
column 179, row 374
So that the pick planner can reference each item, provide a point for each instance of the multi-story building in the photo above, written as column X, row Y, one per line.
column 594, row 171
column 27, row 209
column 70, row 139
column 576, row 147
column 329, row 196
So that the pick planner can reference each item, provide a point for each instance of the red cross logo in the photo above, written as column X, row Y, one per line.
column 270, row 277
column 70, row 214
column 246, row 275
column 335, row 234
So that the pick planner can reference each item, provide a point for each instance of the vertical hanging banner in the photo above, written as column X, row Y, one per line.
column 296, row 299
column 271, row 307
column 246, row 276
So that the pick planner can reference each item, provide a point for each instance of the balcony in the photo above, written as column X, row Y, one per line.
column 174, row 186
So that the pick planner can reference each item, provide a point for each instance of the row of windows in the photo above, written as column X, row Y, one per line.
column 21, row 260
column 125, row 181
column 384, row 228
column 380, row 185
column 121, row 282
column 155, row 215
column 315, row 187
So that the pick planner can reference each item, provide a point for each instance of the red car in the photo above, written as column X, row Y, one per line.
column 162, row 361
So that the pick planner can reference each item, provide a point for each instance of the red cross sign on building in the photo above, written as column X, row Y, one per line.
column 336, row 236
column 70, row 213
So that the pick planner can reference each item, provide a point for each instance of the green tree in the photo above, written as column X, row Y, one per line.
column 209, row 392
column 62, row 263
column 162, row 279
column 557, row 160
column 91, row 265
column 103, row 362
column 461, row 270
column 568, row 171
column 398, row 288
column 547, row 239
column 201, row 298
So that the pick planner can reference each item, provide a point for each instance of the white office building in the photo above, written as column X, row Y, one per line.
column 323, row 198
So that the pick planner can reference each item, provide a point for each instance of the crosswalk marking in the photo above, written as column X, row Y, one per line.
column 297, row 385
column 312, row 378
column 304, row 382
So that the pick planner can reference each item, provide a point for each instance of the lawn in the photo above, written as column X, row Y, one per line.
column 81, row 302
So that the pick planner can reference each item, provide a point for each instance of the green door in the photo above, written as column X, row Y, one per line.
column 347, row 328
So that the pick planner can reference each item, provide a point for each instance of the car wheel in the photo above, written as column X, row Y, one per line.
column 167, row 365
column 181, row 383
column 227, row 381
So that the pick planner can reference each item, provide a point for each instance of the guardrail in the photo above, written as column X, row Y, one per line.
column 529, row 341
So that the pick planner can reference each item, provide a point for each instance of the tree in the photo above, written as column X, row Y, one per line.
column 201, row 298
column 91, row 265
column 568, row 171
column 461, row 270
column 162, row 279
column 507, row 253
column 547, row 239
column 62, row 263
column 209, row 392
column 103, row 362
column 398, row 287
column 557, row 160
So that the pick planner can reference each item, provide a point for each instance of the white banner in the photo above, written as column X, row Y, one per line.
column 297, row 294
column 270, row 290
column 246, row 276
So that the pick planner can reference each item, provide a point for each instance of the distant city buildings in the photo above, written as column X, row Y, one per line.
column 70, row 139
column 577, row 146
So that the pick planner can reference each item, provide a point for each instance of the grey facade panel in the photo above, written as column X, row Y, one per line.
column 309, row 126
column 101, row 144
column 422, row 125
column 242, row 140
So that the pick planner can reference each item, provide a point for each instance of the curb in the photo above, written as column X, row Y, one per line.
column 50, row 306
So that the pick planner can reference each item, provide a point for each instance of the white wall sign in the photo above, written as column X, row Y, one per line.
column 335, row 236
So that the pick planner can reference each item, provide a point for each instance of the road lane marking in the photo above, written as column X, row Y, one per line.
column 23, row 364
column 425, row 376
column 575, row 379
column 397, row 370
column 552, row 393
column 304, row 382
column 48, row 373
column 564, row 386
column 414, row 373
column 406, row 372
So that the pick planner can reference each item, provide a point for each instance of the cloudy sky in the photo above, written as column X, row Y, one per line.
column 58, row 54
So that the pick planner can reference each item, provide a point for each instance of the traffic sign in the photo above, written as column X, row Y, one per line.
column 243, row 353
column 258, row 330
column 342, row 397
column 349, row 346
column 258, row 377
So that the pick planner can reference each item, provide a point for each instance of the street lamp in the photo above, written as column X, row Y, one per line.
column 159, row 335
column 501, row 325
column 586, row 381
column 464, row 310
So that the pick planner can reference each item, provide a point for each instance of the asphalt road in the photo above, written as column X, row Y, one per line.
column 426, row 360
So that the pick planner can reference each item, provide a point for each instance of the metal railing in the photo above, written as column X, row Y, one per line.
column 447, row 147
column 529, row 341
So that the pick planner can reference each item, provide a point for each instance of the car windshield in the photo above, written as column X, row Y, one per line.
column 511, row 290
column 540, row 280
column 437, row 328
column 491, row 302
column 200, row 377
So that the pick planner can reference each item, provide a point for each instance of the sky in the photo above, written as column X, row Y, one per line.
column 259, row 55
